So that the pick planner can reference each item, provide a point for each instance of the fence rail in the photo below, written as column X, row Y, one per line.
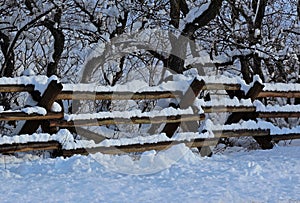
column 52, row 121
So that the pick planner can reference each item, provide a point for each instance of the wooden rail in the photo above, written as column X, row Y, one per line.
column 289, row 94
column 132, row 120
column 194, row 143
column 190, row 122
column 30, row 146
column 17, row 116
column 220, row 86
column 278, row 114
column 200, row 142
column 70, row 95
column 290, row 136
column 232, row 109
column 84, row 95
column 16, row 88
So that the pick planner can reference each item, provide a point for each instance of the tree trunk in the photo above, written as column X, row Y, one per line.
column 59, row 40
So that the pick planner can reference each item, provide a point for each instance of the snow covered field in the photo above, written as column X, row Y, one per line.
column 233, row 176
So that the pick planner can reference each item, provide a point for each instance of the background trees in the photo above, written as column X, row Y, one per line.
column 51, row 37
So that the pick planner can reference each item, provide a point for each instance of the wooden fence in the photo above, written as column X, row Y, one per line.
column 189, row 122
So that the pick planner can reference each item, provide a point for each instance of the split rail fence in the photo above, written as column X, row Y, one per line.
column 187, row 115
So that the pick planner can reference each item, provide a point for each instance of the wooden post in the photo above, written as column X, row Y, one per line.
column 254, row 91
column 192, row 126
column 48, row 98
column 186, row 101
column 90, row 135
column 252, row 94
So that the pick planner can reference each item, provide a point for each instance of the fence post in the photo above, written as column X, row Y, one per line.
column 263, row 141
column 192, row 126
column 48, row 98
column 186, row 101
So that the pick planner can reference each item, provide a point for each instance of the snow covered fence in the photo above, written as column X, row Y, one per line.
column 241, row 101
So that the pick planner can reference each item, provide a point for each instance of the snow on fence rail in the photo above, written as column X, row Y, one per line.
column 241, row 102
column 66, row 145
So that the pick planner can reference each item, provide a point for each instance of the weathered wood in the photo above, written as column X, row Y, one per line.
column 196, row 143
column 97, row 138
column 202, row 142
column 16, row 88
column 192, row 126
column 186, row 101
column 290, row 136
column 241, row 133
column 132, row 120
column 50, row 94
column 139, row 147
column 16, row 116
column 48, row 98
column 220, row 109
column 189, row 97
column 220, row 86
column 254, row 91
column 240, row 94
column 278, row 114
column 251, row 94
column 77, row 95
column 70, row 95
column 289, row 94
column 30, row 146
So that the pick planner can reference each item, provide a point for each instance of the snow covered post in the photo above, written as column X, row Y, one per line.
column 48, row 98
column 263, row 141
column 191, row 126
column 186, row 101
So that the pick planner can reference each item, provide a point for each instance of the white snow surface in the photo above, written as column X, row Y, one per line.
column 40, row 82
column 27, row 110
column 35, row 109
column 251, row 125
column 174, row 175
column 68, row 142
column 129, row 114
column 235, row 102
column 56, row 107
column 276, row 108
column 133, row 86
column 193, row 14
column 196, row 12
column 63, row 136
column 179, row 83
column 282, row 87
column 150, row 139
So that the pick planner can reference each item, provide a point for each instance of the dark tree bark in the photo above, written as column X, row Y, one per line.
column 175, row 12
column 298, row 12
column 202, row 20
column 251, row 64
column 59, row 40
column 259, row 6
column 7, row 66
column 9, row 61
column 179, row 45
column 297, row 100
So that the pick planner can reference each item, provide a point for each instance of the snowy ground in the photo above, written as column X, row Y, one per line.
column 253, row 176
